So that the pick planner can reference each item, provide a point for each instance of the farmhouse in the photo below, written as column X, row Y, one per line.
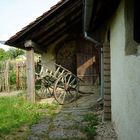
column 57, row 36
column 94, row 38
column 115, row 24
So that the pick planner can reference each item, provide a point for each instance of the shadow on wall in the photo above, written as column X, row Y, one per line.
column 81, row 58
column 87, row 62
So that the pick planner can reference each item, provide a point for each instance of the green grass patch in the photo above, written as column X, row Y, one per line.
column 16, row 111
column 91, row 122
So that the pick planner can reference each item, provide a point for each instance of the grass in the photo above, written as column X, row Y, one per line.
column 91, row 123
column 16, row 112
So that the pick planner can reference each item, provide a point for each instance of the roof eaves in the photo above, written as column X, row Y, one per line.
column 38, row 20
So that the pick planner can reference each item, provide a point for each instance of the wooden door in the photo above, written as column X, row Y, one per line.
column 85, row 62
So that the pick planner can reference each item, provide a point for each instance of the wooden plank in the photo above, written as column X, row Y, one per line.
column 85, row 61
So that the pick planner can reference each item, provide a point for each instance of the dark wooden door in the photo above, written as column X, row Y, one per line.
column 85, row 62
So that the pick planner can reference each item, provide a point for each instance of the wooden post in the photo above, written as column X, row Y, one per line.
column 30, row 71
column 7, row 76
column 17, row 76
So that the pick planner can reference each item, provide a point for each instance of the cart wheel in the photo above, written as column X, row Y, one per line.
column 43, row 91
column 66, row 89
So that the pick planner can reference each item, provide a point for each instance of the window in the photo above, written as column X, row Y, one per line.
column 137, row 20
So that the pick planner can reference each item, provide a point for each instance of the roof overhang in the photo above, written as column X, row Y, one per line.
column 63, row 19
column 96, row 15
column 101, row 11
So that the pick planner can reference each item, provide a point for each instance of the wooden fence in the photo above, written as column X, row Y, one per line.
column 12, row 76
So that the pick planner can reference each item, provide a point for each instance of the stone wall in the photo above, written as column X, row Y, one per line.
column 49, row 58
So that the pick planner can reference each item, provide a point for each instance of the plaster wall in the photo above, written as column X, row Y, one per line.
column 125, row 81
column 49, row 58
column 65, row 56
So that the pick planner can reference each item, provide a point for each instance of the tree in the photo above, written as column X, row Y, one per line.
column 3, row 54
column 14, row 53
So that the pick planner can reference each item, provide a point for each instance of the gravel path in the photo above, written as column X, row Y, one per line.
column 105, row 131
column 68, row 123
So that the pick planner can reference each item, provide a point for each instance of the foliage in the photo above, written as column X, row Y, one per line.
column 1, row 65
column 91, row 118
column 14, row 53
column 12, row 77
column 3, row 54
column 90, row 131
column 16, row 111
column 92, row 122
column 10, row 54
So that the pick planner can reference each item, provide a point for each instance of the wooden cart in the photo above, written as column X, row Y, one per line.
column 62, row 84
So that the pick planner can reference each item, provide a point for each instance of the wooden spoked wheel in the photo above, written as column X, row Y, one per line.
column 66, row 89
column 43, row 88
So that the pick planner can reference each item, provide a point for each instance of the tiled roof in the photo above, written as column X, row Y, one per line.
column 53, row 26
column 35, row 22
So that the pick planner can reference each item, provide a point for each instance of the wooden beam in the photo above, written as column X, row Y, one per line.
column 59, row 19
column 60, row 27
column 36, row 47
column 29, row 45
column 58, row 34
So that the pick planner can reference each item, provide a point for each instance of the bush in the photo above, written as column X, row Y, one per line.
column 12, row 77
column 92, row 122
